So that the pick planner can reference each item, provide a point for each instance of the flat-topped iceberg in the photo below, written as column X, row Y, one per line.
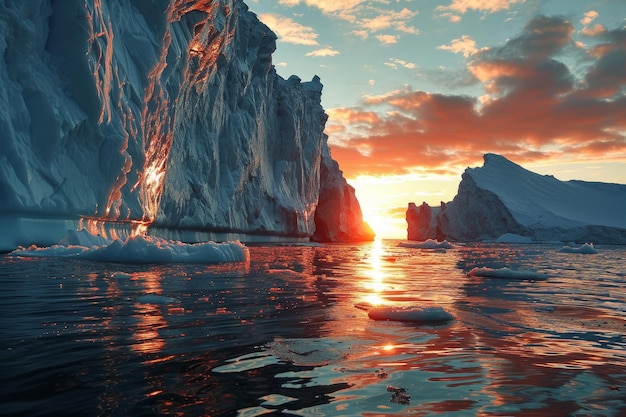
column 502, row 199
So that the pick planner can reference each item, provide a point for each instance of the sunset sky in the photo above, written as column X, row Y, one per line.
column 417, row 91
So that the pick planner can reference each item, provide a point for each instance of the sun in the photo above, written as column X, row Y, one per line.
column 385, row 227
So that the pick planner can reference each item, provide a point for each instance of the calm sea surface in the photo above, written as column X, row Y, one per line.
column 281, row 335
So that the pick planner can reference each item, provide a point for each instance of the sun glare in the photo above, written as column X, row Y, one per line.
column 385, row 227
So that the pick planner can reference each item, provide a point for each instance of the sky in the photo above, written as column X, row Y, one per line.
column 416, row 91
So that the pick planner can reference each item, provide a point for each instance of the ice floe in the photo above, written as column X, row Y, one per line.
column 138, row 249
column 426, row 315
column 427, row 244
column 506, row 273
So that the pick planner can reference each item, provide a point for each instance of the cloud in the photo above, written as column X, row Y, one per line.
column 464, row 45
column 288, row 30
column 453, row 18
column 367, row 18
column 326, row 6
column 353, row 116
column 606, row 78
column 460, row 7
column 490, row 6
column 387, row 39
column 387, row 19
column 534, row 108
column 395, row 63
column 542, row 37
column 594, row 30
column 589, row 17
column 328, row 51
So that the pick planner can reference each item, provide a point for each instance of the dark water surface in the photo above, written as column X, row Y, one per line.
column 280, row 335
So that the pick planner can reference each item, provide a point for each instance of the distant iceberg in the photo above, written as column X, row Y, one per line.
column 503, row 200
column 513, row 238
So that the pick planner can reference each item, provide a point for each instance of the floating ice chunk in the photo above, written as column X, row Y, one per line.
column 586, row 249
column 410, row 314
column 506, row 273
column 427, row 244
column 157, row 299
column 308, row 351
column 140, row 249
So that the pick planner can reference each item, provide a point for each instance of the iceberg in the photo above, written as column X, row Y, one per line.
column 137, row 249
column 503, row 200
column 586, row 249
column 338, row 216
column 168, row 113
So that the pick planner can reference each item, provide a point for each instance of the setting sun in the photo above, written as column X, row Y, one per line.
column 384, row 199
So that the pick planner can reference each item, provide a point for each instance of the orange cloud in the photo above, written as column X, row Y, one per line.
column 288, row 30
column 334, row 7
column 492, row 6
column 538, row 109
column 594, row 30
column 589, row 17
column 457, row 8
column 464, row 45
column 389, row 19
column 387, row 39
column 328, row 51
column 352, row 116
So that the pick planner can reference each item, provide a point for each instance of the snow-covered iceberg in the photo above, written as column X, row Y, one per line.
column 502, row 197
column 167, row 112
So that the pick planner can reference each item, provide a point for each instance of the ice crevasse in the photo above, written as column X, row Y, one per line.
column 166, row 113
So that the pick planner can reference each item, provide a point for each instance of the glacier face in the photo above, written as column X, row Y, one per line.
column 502, row 197
column 167, row 112
column 338, row 214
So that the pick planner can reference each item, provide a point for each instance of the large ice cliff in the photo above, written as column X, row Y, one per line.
column 166, row 113
column 502, row 197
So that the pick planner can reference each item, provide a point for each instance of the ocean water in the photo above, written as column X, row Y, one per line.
column 282, row 334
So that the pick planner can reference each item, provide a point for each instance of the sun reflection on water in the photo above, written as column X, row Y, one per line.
column 375, row 285
column 147, row 339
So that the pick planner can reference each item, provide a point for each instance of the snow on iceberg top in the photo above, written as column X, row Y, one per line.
column 543, row 200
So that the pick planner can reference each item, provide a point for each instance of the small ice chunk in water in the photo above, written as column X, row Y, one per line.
column 307, row 352
column 586, row 249
column 424, row 315
column 506, row 273
column 157, row 299
column 427, row 244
